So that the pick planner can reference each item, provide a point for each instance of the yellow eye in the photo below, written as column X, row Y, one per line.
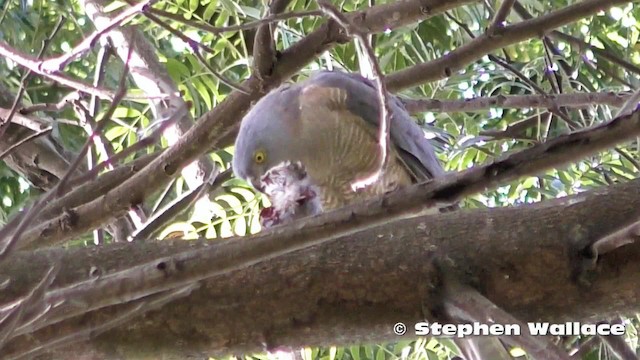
column 259, row 157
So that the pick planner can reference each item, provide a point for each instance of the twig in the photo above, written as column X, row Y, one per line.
column 94, row 326
column 618, row 346
column 247, row 26
column 32, row 64
column 484, row 44
column 219, row 76
column 622, row 237
column 574, row 41
column 549, row 72
column 631, row 104
column 58, row 63
column 33, row 123
column 178, row 205
column 574, row 100
column 501, row 16
column 187, row 40
column 35, row 135
column 516, row 129
column 122, row 90
column 45, row 44
column 87, row 119
column 8, row 241
column 383, row 103
column 35, row 296
column 140, row 144
column 60, row 105
column 585, row 348
column 554, row 109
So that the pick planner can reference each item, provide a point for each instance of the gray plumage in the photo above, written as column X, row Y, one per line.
column 329, row 123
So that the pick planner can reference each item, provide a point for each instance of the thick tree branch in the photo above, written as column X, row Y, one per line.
column 264, row 50
column 343, row 222
column 326, row 294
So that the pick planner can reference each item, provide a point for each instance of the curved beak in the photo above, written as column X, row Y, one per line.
column 256, row 184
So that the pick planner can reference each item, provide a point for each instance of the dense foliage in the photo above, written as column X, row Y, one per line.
column 597, row 54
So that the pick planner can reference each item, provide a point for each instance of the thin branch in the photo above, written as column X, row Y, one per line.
column 35, row 298
column 95, row 325
column 85, row 191
column 618, row 345
column 122, row 90
column 622, row 237
column 60, row 105
column 631, row 104
column 383, row 102
column 598, row 52
column 549, row 73
column 219, row 76
column 515, row 130
column 87, row 119
column 554, row 109
column 31, row 137
column 45, row 44
column 457, row 59
column 584, row 348
column 139, row 145
column 573, row 100
column 33, row 123
column 178, row 206
column 246, row 26
column 465, row 304
column 9, row 242
column 58, row 64
column 501, row 16
column 503, row 63
column 32, row 64
column 576, row 42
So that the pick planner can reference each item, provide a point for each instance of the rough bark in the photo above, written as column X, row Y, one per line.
column 530, row 260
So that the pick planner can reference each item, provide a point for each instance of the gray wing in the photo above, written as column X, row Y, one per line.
column 362, row 99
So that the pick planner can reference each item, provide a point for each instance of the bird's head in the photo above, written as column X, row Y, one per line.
column 266, row 137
